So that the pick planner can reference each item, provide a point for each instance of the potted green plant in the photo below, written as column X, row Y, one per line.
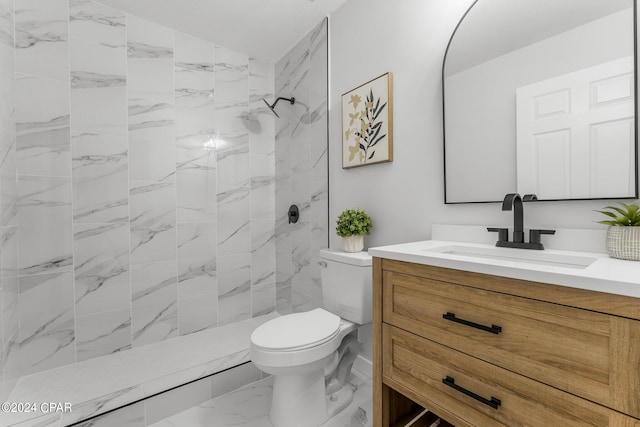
column 352, row 226
column 623, row 234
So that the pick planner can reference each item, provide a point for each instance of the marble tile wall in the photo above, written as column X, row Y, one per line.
column 137, row 184
column 302, row 172
column 8, row 199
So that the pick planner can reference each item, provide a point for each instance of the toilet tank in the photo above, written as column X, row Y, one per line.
column 346, row 284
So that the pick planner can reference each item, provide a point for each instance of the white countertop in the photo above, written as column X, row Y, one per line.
column 603, row 275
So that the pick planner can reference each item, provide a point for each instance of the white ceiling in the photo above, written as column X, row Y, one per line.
column 264, row 29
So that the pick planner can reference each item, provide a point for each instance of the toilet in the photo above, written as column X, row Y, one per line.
column 310, row 354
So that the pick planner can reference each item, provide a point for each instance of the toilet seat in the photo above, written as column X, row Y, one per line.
column 297, row 331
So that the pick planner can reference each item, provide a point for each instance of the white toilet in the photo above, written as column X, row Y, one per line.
column 310, row 354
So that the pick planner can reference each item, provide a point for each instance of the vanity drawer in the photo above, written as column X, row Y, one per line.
column 589, row 354
column 440, row 377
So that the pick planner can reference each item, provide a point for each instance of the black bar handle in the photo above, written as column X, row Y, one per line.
column 494, row 329
column 494, row 402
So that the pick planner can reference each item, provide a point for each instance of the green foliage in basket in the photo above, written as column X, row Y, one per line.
column 353, row 222
column 627, row 215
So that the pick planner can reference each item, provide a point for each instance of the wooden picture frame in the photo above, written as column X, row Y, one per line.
column 367, row 123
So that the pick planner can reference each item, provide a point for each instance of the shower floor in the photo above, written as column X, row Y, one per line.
column 249, row 406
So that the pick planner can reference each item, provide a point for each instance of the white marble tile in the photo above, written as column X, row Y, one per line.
column 167, row 382
column 102, row 281
column 234, row 162
column 263, row 186
column 154, row 302
column 7, row 91
column 234, row 234
column 319, row 211
column 42, row 126
column 129, row 416
column 153, row 222
column 318, row 141
column 196, row 195
column 193, row 53
column 151, row 99
column 8, row 180
column 91, row 21
column 148, row 40
column 98, row 88
column 46, row 336
column 195, row 157
column 234, row 378
column 103, row 333
column 197, row 240
column 301, row 260
column 105, row 403
column 263, row 298
column 232, row 77
column 233, row 359
column 262, row 134
column 318, row 69
column 197, row 259
column 100, row 384
column 10, row 315
column 6, row 37
column 261, row 75
column 282, row 145
column 197, row 313
column 194, row 90
column 152, row 153
column 9, row 252
column 166, row 404
column 44, row 230
column 284, row 265
column 42, row 34
column 248, row 406
column 100, row 178
column 234, row 288
column 263, row 251
column 50, row 420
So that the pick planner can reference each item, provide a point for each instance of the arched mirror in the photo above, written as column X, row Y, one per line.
column 540, row 97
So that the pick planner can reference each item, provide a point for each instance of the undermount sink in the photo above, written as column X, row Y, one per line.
column 516, row 255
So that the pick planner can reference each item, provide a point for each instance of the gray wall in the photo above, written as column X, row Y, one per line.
column 405, row 197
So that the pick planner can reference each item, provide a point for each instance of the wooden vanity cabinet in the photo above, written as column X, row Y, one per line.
column 482, row 350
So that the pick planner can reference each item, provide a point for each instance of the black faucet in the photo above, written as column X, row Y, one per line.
column 513, row 201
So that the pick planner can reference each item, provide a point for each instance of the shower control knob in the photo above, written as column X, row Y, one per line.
column 294, row 214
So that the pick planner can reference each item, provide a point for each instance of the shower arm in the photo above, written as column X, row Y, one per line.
column 272, row 107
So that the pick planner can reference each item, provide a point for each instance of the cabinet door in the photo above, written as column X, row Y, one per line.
column 592, row 355
column 480, row 393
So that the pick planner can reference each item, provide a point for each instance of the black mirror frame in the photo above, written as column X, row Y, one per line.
column 635, row 89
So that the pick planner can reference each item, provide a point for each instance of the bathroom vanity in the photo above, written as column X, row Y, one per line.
column 485, row 339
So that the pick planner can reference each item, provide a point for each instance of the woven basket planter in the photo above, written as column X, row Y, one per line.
column 624, row 243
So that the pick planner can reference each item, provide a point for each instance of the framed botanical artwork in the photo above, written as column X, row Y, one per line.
column 367, row 123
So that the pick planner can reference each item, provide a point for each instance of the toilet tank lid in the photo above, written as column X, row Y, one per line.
column 354, row 258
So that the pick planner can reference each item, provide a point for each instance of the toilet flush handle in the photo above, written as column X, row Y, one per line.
column 322, row 264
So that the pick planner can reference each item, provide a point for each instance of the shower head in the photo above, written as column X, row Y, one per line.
column 272, row 107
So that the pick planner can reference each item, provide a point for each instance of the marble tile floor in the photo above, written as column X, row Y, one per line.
column 248, row 406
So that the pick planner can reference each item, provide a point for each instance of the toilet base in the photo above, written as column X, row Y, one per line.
column 339, row 400
column 292, row 408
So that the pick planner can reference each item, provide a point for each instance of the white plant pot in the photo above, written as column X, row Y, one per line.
column 623, row 243
column 353, row 243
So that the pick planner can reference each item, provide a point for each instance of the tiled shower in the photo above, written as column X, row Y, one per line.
column 145, row 185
